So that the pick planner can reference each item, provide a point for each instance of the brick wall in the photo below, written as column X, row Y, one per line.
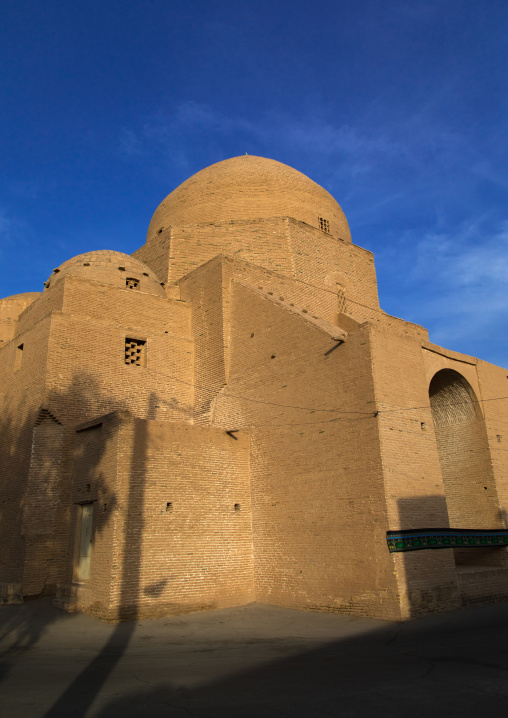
column 21, row 395
column 316, row 476
column 167, row 535
column 73, row 366
column 493, row 385
column 10, row 309
column 413, row 482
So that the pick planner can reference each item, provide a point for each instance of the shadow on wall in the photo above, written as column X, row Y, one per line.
column 430, row 583
column 430, row 576
column 79, row 696
column 82, row 692
column 48, row 474
column 35, row 485
column 36, row 455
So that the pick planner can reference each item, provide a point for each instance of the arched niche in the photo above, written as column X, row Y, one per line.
column 464, row 456
column 42, row 492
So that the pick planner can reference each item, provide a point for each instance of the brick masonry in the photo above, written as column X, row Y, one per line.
column 274, row 426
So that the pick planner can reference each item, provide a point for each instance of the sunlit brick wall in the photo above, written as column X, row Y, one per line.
column 318, row 509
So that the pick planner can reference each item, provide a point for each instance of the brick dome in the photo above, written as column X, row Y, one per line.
column 109, row 267
column 11, row 307
column 246, row 188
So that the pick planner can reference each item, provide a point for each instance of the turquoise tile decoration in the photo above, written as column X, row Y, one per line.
column 418, row 539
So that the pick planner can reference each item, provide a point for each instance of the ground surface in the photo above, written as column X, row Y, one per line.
column 255, row 661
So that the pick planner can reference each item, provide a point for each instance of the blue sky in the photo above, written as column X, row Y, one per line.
column 399, row 108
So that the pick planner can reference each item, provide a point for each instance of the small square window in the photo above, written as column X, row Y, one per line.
column 132, row 283
column 324, row 225
column 135, row 352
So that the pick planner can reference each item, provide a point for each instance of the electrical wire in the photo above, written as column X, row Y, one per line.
column 373, row 413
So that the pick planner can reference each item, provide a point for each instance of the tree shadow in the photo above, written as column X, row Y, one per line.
column 451, row 664
column 21, row 628
column 82, row 692
column 39, row 552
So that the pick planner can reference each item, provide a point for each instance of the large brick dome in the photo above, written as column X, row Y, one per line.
column 246, row 188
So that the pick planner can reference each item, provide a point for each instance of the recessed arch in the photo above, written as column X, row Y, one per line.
column 452, row 399
column 464, row 456
column 43, row 483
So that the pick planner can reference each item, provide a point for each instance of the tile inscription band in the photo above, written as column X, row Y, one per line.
column 418, row 539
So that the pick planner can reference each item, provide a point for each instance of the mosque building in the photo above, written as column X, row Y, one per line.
column 228, row 416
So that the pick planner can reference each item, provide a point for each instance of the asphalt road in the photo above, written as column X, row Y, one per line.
column 252, row 662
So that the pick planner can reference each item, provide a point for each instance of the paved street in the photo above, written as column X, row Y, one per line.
column 255, row 661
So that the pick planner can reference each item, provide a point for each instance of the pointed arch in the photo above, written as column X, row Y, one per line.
column 43, row 485
column 464, row 456
column 46, row 415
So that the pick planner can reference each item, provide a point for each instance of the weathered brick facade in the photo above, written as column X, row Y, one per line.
column 229, row 416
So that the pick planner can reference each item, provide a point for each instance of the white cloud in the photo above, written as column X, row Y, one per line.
column 130, row 144
column 455, row 284
column 472, row 256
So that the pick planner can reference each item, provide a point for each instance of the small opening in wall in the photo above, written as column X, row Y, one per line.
column 422, row 426
column 18, row 358
column 135, row 351
column 252, row 334
column 169, row 506
column 132, row 283
column 159, row 230
column 86, row 264
column 341, row 299
column 145, row 274
column 104, row 507
column 324, row 225
column 237, row 507
column 122, row 269
column 88, row 487
column 273, row 356
column 499, row 437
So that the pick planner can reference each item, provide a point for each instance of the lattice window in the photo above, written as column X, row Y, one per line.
column 324, row 225
column 132, row 283
column 135, row 352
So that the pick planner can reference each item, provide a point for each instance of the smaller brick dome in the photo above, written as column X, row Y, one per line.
column 108, row 267
column 11, row 307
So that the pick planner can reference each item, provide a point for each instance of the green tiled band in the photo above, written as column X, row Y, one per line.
column 418, row 539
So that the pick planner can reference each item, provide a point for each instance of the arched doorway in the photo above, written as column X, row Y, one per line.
column 471, row 495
